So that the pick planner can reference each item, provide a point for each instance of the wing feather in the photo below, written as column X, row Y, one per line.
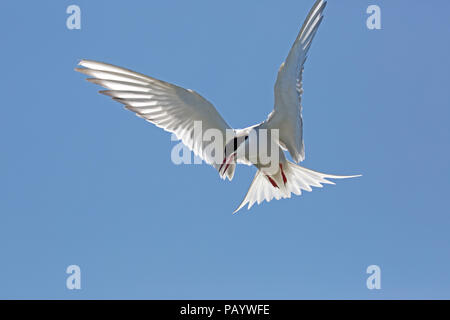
column 166, row 105
column 287, row 114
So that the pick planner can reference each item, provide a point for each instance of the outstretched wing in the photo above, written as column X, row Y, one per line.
column 287, row 114
column 166, row 105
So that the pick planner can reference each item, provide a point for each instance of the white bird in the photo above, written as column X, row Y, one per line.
column 176, row 109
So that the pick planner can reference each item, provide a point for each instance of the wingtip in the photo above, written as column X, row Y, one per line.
column 239, row 208
column 329, row 176
column 324, row 2
column 353, row 176
column 94, row 80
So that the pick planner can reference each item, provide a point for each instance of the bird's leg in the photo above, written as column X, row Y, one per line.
column 227, row 162
column 223, row 162
column 282, row 174
column 274, row 184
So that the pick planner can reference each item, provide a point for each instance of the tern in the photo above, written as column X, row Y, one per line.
column 176, row 110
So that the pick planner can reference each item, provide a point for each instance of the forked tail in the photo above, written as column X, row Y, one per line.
column 297, row 179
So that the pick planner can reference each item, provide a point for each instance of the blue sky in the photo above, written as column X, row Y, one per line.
column 85, row 182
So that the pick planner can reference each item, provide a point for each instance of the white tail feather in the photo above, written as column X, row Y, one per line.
column 298, row 179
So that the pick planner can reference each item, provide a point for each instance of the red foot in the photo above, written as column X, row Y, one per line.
column 282, row 173
column 226, row 167
column 227, row 164
column 223, row 162
column 274, row 184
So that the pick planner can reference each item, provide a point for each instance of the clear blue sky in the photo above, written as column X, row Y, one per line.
column 85, row 182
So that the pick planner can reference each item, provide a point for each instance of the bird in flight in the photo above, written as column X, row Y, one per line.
column 176, row 110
